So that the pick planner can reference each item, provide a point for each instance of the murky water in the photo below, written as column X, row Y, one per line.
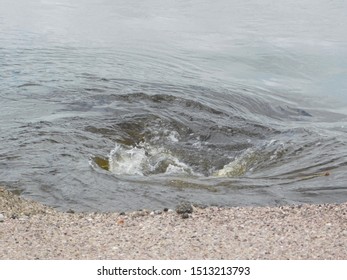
column 119, row 105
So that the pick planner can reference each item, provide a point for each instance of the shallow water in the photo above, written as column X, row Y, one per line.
column 119, row 105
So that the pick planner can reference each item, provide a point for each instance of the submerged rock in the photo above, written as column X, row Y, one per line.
column 184, row 207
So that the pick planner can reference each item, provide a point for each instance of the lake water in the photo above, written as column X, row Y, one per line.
column 119, row 105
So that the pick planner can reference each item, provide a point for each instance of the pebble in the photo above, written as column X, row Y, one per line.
column 140, row 213
column 2, row 218
column 184, row 207
column 155, row 212
column 185, row 216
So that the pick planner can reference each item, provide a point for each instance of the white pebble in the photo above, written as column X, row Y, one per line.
column 2, row 218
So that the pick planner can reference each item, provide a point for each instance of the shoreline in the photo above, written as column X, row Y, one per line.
column 30, row 230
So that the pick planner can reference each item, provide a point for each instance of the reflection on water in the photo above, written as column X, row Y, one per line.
column 116, row 105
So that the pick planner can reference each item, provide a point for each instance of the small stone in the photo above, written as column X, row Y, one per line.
column 70, row 211
column 157, row 212
column 185, row 216
column 140, row 213
column 2, row 217
column 166, row 209
column 122, row 214
column 170, row 210
column 184, row 207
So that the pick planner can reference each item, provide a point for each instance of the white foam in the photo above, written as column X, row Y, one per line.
column 178, row 167
column 127, row 161
column 145, row 159
column 173, row 136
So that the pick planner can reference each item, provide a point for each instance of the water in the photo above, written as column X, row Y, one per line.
column 119, row 105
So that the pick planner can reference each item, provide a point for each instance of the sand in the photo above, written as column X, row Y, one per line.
column 29, row 230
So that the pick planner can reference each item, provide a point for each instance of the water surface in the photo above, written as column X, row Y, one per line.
column 119, row 105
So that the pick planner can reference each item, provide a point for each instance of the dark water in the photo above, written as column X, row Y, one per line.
column 120, row 105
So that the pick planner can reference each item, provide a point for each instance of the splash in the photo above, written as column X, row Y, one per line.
column 253, row 159
column 144, row 160
column 239, row 166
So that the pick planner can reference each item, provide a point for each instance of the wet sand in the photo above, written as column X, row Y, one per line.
column 30, row 230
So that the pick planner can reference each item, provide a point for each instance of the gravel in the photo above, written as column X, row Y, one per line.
column 30, row 230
